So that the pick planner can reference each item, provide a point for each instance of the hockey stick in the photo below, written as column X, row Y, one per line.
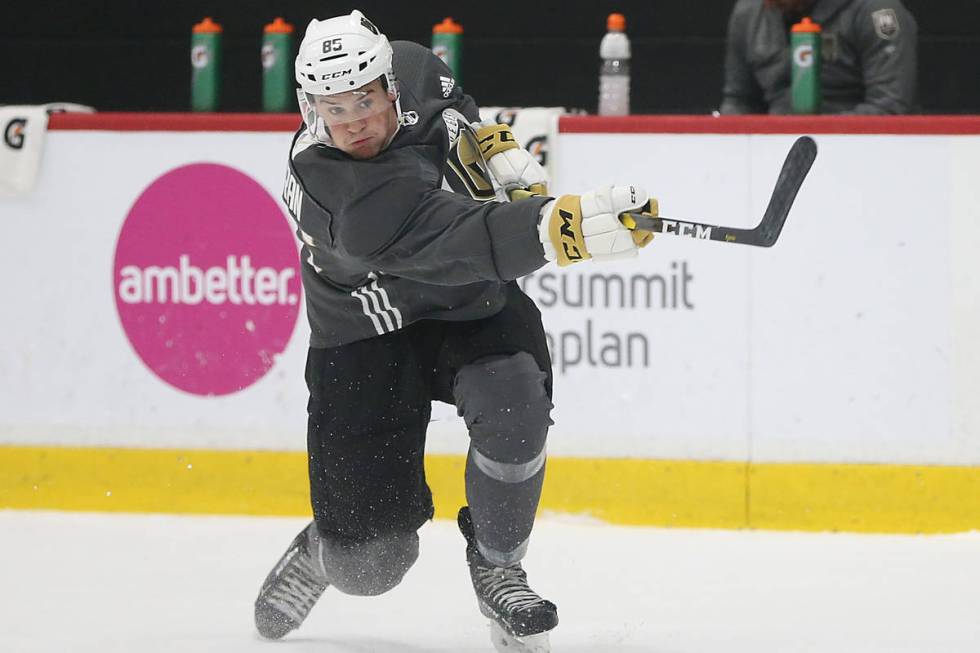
column 791, row 177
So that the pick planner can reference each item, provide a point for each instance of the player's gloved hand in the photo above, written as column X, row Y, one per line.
column 517, row 172
column 574, row 228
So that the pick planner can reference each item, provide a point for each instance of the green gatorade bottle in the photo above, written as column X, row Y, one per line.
column 277, row 68
column 447, row 44
column 805, row 49
column 205, row 65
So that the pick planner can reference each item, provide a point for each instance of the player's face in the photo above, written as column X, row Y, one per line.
column 360, row 121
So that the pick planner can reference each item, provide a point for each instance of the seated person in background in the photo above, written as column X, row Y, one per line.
column 868, row 60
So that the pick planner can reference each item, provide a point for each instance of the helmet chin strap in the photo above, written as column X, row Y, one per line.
column 404, row 119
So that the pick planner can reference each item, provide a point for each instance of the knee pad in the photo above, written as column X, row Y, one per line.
column 506, row 407
column 367, row 568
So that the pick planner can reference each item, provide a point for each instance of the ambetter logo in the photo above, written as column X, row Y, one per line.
column 206, row 279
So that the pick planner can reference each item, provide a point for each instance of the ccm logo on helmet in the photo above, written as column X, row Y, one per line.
column 339, row 73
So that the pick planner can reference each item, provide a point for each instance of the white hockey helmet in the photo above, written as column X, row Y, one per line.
column 339, row 55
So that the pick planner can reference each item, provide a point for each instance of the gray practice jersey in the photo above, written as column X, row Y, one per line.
column 868, row 61
column 412, row 233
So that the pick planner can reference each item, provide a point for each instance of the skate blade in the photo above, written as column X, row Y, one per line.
column 504, row 642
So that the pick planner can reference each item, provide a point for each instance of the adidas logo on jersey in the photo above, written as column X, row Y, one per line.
column 447, row 85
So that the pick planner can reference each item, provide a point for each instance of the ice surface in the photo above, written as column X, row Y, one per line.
column 86, row 583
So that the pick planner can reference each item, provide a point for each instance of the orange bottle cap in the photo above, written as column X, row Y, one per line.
column 278, row 26
column 207, row 26
column 447, row 26
column 616, row 23
column 806, row 25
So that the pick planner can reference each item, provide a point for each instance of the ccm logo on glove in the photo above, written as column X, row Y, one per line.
column 568, row 237
column 566, row 230
column 574, row 228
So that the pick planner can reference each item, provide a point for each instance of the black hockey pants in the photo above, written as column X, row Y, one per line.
column 369, row 408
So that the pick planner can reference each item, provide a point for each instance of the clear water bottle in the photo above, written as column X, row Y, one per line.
column 614, row 75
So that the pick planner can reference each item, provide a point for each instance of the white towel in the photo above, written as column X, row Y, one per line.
column 22, row 131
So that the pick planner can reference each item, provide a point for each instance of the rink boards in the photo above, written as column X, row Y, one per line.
column 153, row 354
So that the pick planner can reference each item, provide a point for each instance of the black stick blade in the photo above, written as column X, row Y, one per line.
column 794, row 171
column 798, row 162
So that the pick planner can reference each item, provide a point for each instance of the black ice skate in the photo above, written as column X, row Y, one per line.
column 519, row 618
column 290, row 589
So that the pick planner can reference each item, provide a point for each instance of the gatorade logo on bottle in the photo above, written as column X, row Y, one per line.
column 206, row 279
column 13, row 133
column 803, row 56
column 268, row 56
column 200, row 57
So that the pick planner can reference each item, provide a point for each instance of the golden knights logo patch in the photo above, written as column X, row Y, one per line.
column 886, row 23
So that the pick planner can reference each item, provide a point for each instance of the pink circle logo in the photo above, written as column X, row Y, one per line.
column 206, row 278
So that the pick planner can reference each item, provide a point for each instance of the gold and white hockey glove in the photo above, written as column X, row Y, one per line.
column 513, row 167
column 574, row 228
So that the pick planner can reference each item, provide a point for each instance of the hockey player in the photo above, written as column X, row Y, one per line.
column 409, row 264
